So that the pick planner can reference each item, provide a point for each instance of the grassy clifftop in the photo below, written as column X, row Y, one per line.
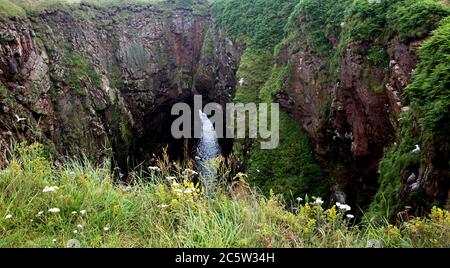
column 43, row 205
column 20, row 8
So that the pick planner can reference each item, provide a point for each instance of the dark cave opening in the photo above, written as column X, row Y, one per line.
column 149, row 143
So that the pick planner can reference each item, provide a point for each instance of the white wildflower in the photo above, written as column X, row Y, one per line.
column 39, row 213
column 50, row 189
column 162, row 206
column 170, row 178
column 154, row 168
column 343, row 206
column 105, row 229
column 54, row 240
column 79, row 226
column 373, row 244
column 75, row 231
column 82, row 212
column 350, row 216
column 9, row 216
column 74, row 212
column 299, row 199
column 73, row 243
column 54, row 210
column 189, row 191
column 318, row 201
column 128, row 188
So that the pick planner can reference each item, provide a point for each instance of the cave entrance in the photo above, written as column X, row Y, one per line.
column 155, row 136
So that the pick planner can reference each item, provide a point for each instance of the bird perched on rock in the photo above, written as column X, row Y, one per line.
column 416, row 150
column 20, row 119
column 411, row 179
column 415, row 186
column 241, row 82
column 349, row 135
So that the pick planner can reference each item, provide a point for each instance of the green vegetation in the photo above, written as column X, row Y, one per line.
column 10, row 9
column 42, row 205
column 397, row 161
column 318, row 21
column 412, row 19
column 208, row 46
column 259, row 24
column 3, row 90
column 378, row 56
column 255, row 68
column 430, row 90
column 20, row 8
column 364, row 20
column 80, row 72
column 322, row 26
column 151, row 212
column 290, row 169
column 159, row 3
column 404, row 18
column 426, row 123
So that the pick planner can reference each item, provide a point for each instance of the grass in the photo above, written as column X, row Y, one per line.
column 153, row 212
column 318, row 21
column 257, row 23
column 413, row 19
column 9, row 9
column 20, row 8
column 290, row 169
column 80, row 72
column 429, row 92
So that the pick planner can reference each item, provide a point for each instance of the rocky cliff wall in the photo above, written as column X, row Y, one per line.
column 349, row 67
column 91, row 79
column 348, row 72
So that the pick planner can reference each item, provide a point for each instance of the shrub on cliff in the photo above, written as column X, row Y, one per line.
column 258, row 23
column 10, row 9
column 426, row 124
column 430, row 89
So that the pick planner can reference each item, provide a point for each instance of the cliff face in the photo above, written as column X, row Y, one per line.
column 346, row 85
column 344, row 70
column 353, row 118
column 99, row 79
column 92, row 79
